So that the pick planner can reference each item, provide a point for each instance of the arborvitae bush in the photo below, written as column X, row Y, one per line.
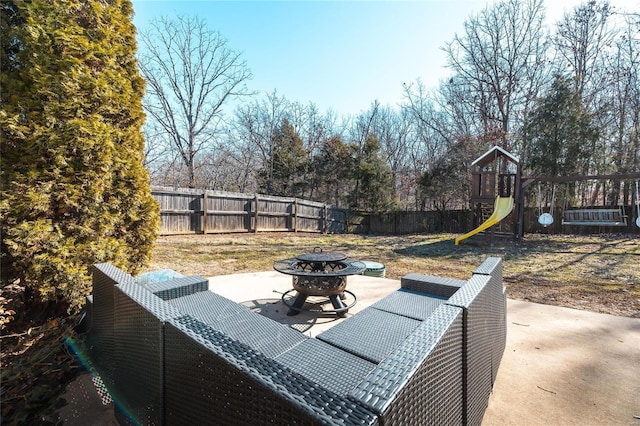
column 74, row 189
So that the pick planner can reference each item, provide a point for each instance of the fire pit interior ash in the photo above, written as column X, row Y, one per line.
column 319, row 274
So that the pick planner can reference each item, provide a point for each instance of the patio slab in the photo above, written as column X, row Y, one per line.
column 561, row 366
column 266, row 290
column 565, row 366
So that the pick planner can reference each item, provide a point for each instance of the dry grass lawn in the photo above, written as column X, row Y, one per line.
column 596, row 273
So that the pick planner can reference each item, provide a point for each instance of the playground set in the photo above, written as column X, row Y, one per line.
column 498, row 171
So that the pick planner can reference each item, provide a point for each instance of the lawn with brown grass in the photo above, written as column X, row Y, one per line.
column 596, row 273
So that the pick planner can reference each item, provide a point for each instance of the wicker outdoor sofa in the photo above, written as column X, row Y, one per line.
column 176, row 353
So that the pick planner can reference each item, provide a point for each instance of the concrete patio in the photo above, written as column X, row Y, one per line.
column 561, row 366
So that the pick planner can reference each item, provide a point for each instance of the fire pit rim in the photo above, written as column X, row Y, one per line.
column 287, row 266
column 318, row 255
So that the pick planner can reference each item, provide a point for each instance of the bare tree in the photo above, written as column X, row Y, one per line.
column 392, row 128
column 256, row 124
column 157, row 150
column 438, row 118
column 191, row 75
column 499, row 63
column 583, row 38
column 598, row 47
column 446, row 134
column 623, row 68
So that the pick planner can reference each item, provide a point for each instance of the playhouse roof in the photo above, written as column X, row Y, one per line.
column 492, row 154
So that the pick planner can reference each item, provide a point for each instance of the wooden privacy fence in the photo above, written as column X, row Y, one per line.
column 189, row 211
column 411, row 222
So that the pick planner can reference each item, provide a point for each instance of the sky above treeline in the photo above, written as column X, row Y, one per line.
column 340, row 55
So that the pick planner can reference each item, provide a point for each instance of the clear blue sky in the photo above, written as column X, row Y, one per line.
column 340, row 55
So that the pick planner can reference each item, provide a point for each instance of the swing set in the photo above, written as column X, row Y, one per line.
column 585, row 215
column 498, row 175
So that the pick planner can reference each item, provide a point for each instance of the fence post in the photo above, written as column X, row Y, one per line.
column 325, row 220
column 294, row 218
column 255, row 216
column 203, row 207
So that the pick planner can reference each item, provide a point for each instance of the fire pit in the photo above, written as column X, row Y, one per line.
column 319, row 274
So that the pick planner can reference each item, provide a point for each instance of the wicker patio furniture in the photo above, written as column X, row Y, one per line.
column 179, row 354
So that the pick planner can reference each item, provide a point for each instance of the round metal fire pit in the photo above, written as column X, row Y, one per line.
column 319, row 273
column 319, row 286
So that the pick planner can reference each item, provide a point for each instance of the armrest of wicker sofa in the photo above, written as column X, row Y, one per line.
column 492, row 267
column 482, row 301
column 438, row 286
column 138, row 359
column 126, row 342
column 239, row 385
column 422, row 378
column 100, row 338
column 179, row 287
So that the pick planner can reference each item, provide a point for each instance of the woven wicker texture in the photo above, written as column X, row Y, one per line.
column 179, row 287
column 420, row 383
column 259, row 332
column 101, row 337
column 482, row 316
column 333, row 368
column 207, row 306
column 492, row 266
column 371, row 334
column 148, row 301
column 437, row 286
column 234, row 385
column 139, row 353
column 501, row 336
column 410, row 304
column 426, row 354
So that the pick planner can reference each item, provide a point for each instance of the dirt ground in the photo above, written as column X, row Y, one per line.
column 596, row 273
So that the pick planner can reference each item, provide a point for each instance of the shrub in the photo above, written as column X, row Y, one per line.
column 74, row 189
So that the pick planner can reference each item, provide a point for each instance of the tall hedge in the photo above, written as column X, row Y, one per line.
column 74, row 189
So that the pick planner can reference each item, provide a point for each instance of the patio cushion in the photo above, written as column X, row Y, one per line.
column 259, row 332
column 212, row 379
column 333, row 368
column 437, row 286
column 408, row 303
column 238, row 322
column 371, row 334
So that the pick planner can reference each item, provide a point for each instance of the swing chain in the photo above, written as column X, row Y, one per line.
column 545, row 219
column 637, row 204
